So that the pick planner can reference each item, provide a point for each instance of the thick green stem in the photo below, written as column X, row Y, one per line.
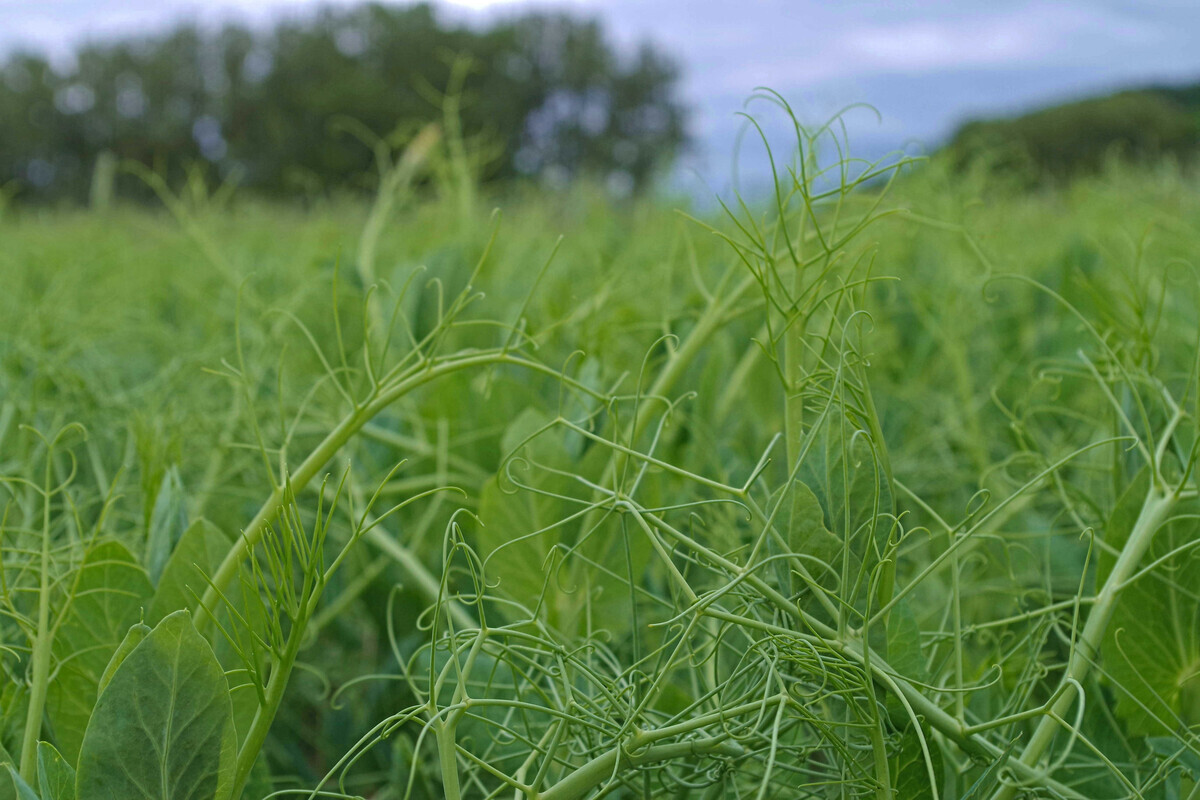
column 41, row 652
column 448, row 760
column 261, row 725
column 1155, row 509
column 883, row 770
column 587, row 777
column 37, row 697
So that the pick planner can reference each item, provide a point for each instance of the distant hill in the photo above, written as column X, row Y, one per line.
column 1063, row 141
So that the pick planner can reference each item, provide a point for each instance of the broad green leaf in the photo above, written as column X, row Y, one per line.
column 109, row 594
column 168, row 521
column 1170, row 748
column 1120, row 523
column 245, row 598
column 56, row 778
column 510, row 540
column 577, row 406
column 512, row 517
column 904, row 653
column 808, row 537
column 1152, row 648
column 8, row 791
column 183, row 579
column 521, row 527
column 163, row 729
column 14, row 705
column 844, row 474
column 21, row 789
column 523, row 436
column 911, row 769
column 1179, row 761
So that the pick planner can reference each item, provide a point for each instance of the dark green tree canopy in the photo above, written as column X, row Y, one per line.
column 1077, row 138
column 544, row 94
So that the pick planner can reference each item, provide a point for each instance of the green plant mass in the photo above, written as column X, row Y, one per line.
column 883, row 486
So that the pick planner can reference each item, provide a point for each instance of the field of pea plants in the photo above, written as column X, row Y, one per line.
column 882, row 485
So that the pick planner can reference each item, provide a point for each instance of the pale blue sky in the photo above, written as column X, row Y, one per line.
column 926, row 66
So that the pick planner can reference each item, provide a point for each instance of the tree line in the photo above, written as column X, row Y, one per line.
column 1065, row 141
column 288, row 109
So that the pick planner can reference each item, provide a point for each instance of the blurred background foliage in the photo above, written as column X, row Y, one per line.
column 542, row 94
column 544, row 97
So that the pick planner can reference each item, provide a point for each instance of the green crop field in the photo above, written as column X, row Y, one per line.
column 876, row 487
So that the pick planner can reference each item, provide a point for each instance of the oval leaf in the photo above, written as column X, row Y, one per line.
column 163, row 729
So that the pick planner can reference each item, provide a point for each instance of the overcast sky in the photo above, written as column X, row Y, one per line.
column 926, row 66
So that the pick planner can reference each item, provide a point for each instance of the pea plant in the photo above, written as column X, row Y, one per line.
column 726, row 569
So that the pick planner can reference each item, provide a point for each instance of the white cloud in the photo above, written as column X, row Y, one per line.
column 928, row 45
column 1022, row 37
column 480, row 5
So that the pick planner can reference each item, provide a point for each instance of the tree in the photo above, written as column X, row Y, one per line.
column 549, row 91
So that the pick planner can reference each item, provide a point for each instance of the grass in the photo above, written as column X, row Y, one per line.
column 851, row 494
